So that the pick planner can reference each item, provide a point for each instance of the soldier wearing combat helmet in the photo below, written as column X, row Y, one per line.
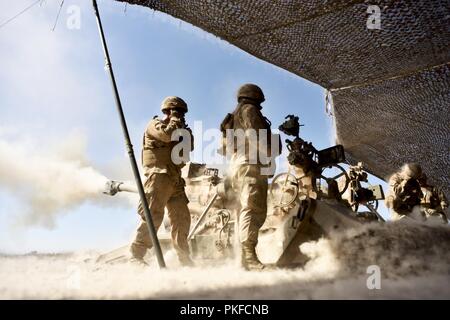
column 164, row 186
column 405, row 194
column 248, row 179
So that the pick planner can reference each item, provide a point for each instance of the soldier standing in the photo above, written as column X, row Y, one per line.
column 434, row 203
column 248, row 179
column 405, row 193
column 164, row 186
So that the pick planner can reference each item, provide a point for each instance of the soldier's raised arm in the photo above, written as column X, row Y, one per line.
column 395, row 184
column 162, row 130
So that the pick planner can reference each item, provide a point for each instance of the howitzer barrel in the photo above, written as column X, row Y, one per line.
column 113, row 187
column 128, row 188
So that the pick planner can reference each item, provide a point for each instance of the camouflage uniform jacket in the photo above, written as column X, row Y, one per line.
column 158, row 145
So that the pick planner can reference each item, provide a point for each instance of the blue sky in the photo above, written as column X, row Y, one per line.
column 53, row 85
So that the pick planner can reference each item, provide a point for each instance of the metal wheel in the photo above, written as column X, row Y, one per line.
column 284, row 189
column 323, row 179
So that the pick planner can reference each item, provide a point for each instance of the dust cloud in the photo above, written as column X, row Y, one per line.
column 413, row 260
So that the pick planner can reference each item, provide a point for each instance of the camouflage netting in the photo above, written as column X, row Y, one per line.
column 409, row 122
column 381, row 121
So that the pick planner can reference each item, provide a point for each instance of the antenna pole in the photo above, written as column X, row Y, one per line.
column 129, row 146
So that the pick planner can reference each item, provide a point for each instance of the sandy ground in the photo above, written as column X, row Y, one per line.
column 414, row 263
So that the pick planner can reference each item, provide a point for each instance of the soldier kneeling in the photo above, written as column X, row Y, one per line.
column 405, row 194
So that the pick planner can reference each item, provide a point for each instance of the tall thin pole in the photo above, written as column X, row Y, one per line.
column 129, row 146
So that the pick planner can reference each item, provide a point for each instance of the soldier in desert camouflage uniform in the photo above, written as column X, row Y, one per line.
column 405, row 194
column 164, row 186
column 248, row 178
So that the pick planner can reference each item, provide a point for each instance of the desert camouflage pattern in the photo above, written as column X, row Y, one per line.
column 405, row 194
column 173, row 102
column 248, row 179
column 251, row 187
column 164, row 191
column 164, row 188
column 251, row 91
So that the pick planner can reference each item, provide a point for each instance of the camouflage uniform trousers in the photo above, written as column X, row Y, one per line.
column 251, row 188
column 163, row 190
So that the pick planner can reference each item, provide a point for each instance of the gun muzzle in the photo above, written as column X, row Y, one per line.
column 113, row 187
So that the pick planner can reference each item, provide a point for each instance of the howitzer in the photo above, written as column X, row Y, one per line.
column 293, row 218
column 113, row 187
column 312, row 162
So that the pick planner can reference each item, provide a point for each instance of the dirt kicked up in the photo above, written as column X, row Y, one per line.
column 412, row 258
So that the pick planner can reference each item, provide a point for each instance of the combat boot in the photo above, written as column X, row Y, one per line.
column 186, row 261
column 250, row 260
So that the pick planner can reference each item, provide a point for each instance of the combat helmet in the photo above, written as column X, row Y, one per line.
column 412, row 170
column 173, row 102
column 251, row 91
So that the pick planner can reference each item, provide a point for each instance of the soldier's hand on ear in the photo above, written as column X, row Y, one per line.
column 176, row 120
column 175, row 114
